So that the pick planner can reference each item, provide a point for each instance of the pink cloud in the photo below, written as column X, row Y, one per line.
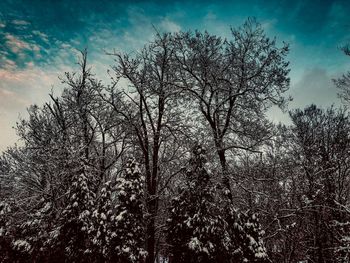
column 18, row 90
column 16, row 45
column 9, row 64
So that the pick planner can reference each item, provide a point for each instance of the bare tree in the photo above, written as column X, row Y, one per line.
column 77, row 127
column 321, row 152
column 343, row 83
column 233, row 82
column 155, row 120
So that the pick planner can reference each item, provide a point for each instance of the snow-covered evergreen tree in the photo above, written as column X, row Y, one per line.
column 6, row 226
column 246, row 238
column 200, row 229
column 196, row 230
column 128, row 232
column 255, row 249
column 34, row 231
column 76, row 219
column 24, row 239
column 100, row 232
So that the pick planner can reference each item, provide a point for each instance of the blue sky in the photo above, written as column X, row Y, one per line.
column 38, row 42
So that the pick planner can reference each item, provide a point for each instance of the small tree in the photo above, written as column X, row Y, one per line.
column 102, row 219
column 34, row 232
column 128, row 232
column 247, row 241
column 200, row 230
column 195, row 226
column 76, row 219
column 6, row 227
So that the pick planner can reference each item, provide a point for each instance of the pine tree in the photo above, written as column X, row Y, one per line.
column 128, row 234
column 33, row 233
column 24, row 239
column 195, row 226
column 102, row 219
column 246, row 236
column 6, row 229
column 76, row 225
column 255, row 249
column 200, row 230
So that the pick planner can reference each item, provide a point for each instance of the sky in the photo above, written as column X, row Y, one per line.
column 39, row 42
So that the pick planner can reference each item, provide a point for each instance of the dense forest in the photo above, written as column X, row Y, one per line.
column 176, row 161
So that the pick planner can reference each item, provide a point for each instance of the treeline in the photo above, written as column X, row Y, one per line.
column 175, row 161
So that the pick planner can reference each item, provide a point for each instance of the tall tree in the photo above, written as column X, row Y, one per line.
column 73, row 130
column 196, row 229
column 155, row 120
column 128, row 231
column 102, row 228
column 321, row 150
column 233, row 82
column 76, row 220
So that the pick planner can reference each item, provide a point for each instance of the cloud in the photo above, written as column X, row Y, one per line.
column 210, row 16
column 18, row 90
column 314, row 86
column 9, row 100
column 8, row 64
column 139, row 31
column 20, row 22
column 268, row 25
column 18, row 50
column 169, row 26
column 15, row 44
column 42, row 35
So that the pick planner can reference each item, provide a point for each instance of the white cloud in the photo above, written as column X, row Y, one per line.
column 30, row 64
column 169, row 26
column 65, row 45
column 268, row 25
column 17, row 45
column 42, row 35
column 20, row 22
column 210, row 16
column 9, row 64
column 314, row 86
column 309, row 86
column 18, row 90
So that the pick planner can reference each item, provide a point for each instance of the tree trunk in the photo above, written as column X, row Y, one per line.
column 151, row 231
column 225, row 179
